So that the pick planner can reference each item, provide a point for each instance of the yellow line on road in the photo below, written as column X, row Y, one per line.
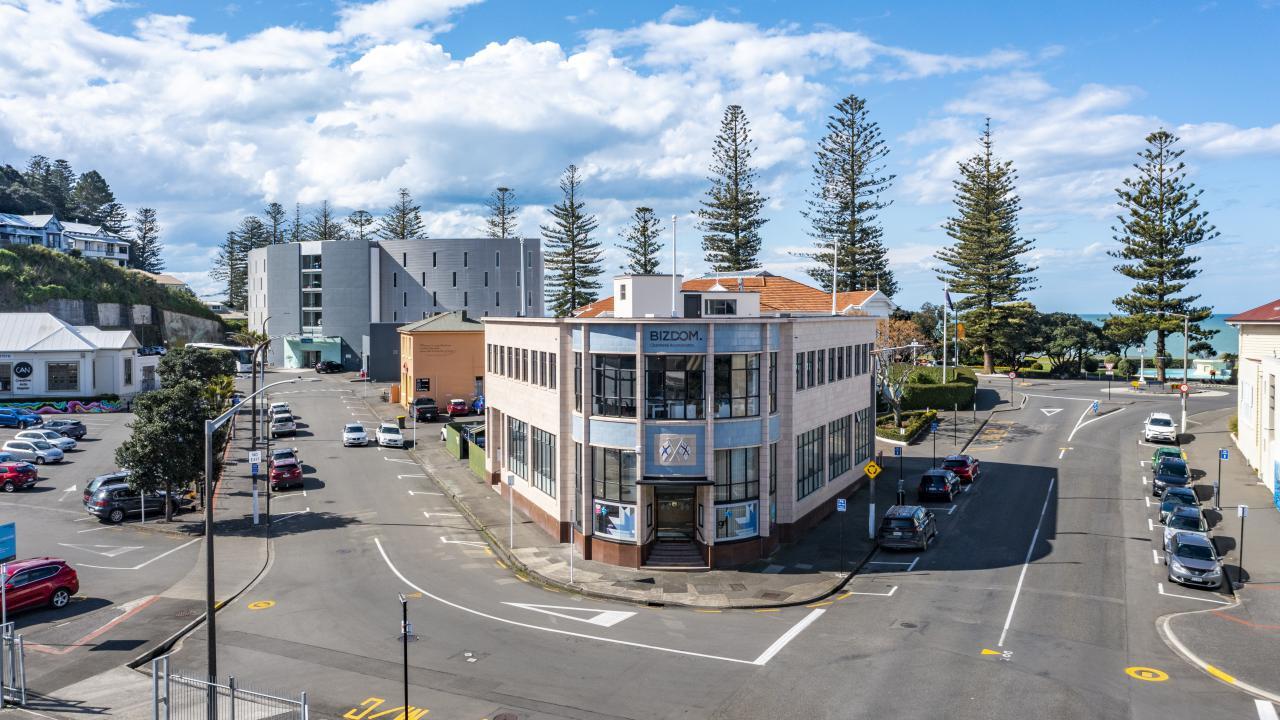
column 500, row 564
column 706, row 611
column 766, row 609
column 1219, row 674
column 845, row 596
column 819, row 604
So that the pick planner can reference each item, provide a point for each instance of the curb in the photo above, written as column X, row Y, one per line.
column 1173, row 643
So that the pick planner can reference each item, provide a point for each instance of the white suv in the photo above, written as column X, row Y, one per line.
column 1159, row 426
column 389, row 435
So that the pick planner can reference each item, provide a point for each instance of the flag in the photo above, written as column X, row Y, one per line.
column 949, row 305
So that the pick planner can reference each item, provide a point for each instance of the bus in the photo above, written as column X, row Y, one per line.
column 242, row 355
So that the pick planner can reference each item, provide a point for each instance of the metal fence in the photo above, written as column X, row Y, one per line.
column 13, row 668
column 181, row 696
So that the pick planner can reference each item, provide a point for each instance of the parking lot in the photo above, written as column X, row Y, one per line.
column 124, row 570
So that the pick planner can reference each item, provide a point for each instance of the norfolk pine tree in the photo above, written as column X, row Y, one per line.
column 360, row 222
column 1160, row 221
column 403, row 220
column 572, row 257
column 730, row 216
column 230, row 267
column 295, row 230
column 145, row 253
column 501, row 221
column 848, row 177
column 640, row 242
column 277, row 222
column 985, row 264
column 324, row 226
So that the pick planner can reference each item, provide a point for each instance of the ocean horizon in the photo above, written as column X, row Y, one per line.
column 1227, row 339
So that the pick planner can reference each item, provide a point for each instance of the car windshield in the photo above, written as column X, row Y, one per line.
column 390, row 430
column 1194, row 552
column 1184, row 522
column 1174, row 502
column 42, row 445
column 1173, row 468
column 1161, row 422
column 355, row 428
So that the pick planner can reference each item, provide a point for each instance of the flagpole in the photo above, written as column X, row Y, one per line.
column 835, row 279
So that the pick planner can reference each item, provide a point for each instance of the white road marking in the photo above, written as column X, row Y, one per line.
column 1160, row 587
column 1150, row 525
column 952, row 508
column 104, row 527
column 424, row 492
column 1155, row 557
column 398, row 460
column 1061, row 452
column 1082, row 422
column 144, row 564
column 1050, row 412
column 892, row 590
column 887, row 562
column 1145, row 480
column 603, row 618
column 63, row 496
column 291, row 515
column 104, row 550
column 1057, row 397
column 1266, row 710
column 1142, row 463
column 792, row 632
column 473, row 543
column 787, row 637
column 428, row 515
column 912, row 566
column 1017, row 592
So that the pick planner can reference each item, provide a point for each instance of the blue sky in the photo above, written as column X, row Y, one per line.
column 209, row 110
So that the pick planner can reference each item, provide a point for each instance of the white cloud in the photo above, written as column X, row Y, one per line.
column 383, row 20
column 679, row 14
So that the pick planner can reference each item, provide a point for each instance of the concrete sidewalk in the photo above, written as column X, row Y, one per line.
column 1237, row 644
column 797, row 573
column 241, row 554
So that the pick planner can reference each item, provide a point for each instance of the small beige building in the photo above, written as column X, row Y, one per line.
column 442, row 357
column 1258, row 370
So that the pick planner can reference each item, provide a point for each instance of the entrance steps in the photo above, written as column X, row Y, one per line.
column 676, row 555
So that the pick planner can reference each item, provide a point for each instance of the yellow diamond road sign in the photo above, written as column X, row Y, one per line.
column 872, row 469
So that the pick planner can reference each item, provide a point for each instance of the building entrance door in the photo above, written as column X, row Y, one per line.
column 310, row 358
column 675, row 513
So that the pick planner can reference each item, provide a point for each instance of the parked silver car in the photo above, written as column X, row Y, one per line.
column 1181, row 521
column 283, row 425
column 52, row 437
column 354, row 434
column 1192, row 560
column 36, row 451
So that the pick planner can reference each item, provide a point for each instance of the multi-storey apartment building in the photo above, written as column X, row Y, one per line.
column 321, row 298
column 693, row 424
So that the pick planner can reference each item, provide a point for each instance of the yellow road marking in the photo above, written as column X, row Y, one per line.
column 1220, row 675
column 1146, row 673
column 261, row 604
column 500, row 564
column 819, row 604
column 845, row 596
column 766, row 609
column 706, row 611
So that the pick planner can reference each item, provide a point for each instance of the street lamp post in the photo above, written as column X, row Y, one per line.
column 404, row 636
column 1186, row 370
column 210, row 426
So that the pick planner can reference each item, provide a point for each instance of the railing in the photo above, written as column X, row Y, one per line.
column 13, row 668
column 178, row 696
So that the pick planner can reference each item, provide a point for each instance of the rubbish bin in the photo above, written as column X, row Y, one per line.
column 400, row 421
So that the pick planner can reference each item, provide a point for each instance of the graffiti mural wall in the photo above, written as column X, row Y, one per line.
column 57, row 407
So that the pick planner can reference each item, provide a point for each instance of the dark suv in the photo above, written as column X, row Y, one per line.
column 907, row 527
column 113, row 502
column 1169, row 472
column 425, row 410
column 938, row 483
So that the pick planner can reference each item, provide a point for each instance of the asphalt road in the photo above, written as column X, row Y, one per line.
column 1040, row 596
column 123, row 569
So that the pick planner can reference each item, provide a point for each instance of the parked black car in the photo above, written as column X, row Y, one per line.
column 328, row 366
column 1169, row 472
column 938, row 483
column 113, row 502
column 66, row 428
column 425, row 410
column 907, row 527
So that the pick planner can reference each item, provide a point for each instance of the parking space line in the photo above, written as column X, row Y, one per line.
column 1160, row 587
column 1155, row 557
column 951, row 509
column 892, row 590
column 1147, row 498
column 1150, row 525
column 1266, row 710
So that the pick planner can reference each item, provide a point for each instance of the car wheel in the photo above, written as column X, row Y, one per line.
column 8, row 486
column 116, row 516
column 60, row 598
column 23, row 425
column 39, row 460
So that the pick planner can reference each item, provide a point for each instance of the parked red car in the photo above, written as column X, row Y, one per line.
column 459, row 407
column 14, row 475
column 964, row 466
column 39, row 582
column 286, row 473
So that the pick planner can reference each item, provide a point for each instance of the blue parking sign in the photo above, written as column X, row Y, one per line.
column 933, row 427
column 8, row 542
column 1222, row 454
column 897, row 451
column 841, row 505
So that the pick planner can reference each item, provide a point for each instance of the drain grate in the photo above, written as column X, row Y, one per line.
column 737, row 587
column 771, row 595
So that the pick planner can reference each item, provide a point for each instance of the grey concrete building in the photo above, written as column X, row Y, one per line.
column 320, row 298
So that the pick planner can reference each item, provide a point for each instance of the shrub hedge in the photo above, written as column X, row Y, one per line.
column 913, row 423
column 926, row 390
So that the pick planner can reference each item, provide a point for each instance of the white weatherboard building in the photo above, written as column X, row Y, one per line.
column 1257, row 375
column 44, row 357
column 680, row 427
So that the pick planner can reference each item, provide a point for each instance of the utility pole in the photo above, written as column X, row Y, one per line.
column 405, row 631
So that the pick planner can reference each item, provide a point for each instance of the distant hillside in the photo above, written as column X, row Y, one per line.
column 31, row 275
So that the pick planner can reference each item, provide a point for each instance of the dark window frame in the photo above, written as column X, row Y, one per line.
column 736, row 385
column 613, row 385
column 613, row 475
column 810, row 461
column 671, row 390
column 729, row 486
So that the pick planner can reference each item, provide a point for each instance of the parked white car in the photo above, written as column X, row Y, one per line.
column 283, row 425
column 36, row 451
column 50, row 436
column 389, row 435
column 273, row 407
column 354, row 434
column 1160, row 426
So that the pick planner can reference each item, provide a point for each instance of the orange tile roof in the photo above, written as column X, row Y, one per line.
column 777, row 294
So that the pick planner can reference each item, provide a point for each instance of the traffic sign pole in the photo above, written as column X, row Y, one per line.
column 841, row 506
column 1217, row 484
column 1243, row 512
